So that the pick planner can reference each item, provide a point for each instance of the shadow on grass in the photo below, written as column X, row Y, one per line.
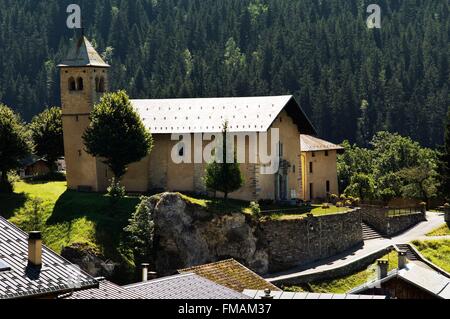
column 10, row 203
column 109, row 221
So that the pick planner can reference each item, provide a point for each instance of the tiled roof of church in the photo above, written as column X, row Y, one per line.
column 82, row 53
column 207, row 115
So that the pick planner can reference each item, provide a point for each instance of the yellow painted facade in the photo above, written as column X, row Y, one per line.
column 320, row 175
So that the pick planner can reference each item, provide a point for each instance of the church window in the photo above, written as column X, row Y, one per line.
column 72, row 85
column 80, row 85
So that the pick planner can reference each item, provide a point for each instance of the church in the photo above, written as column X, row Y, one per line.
column 84, row 79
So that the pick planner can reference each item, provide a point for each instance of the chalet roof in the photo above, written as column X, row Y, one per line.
column 313, row 144
column 185, row 286
column 106, row 290
column 231, row 274
column 17, row 280
column 207, row 115
column 257, row 294
column 423, row 278
column 82, row 53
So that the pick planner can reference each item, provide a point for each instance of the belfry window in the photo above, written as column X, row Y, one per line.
column 101, row 85
column 72, row 85
column 80, row 85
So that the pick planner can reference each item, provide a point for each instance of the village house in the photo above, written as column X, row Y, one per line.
column 84, row 78
column 319, row 168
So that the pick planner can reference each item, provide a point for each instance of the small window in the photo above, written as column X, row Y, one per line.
column 77, row 118
column 80, row 84
column 293, row 168
column 328, row 186
column 326, row 153
column 79, row 153
column 313, row 154
column 101, row 85
column 311, row 167
column 280, row 149
column 72, row 85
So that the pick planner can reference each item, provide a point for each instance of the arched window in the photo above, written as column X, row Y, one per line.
column 101, row 85
column 80, row 85
column 72, row 85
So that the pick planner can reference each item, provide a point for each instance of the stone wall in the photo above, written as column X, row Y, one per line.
column 188, row 235
column 378, row 218
column 298, row 242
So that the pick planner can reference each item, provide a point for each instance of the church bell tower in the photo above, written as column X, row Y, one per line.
column 84, row 79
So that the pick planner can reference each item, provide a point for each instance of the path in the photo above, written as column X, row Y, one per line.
column 434, row 220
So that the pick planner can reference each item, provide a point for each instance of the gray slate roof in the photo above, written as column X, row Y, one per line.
column 82, row 53
column 257, row 294
column 107, row 290
column 56, row 276
column 423, row 278
column 207, row 115
column 314, row 144
column 186, row 286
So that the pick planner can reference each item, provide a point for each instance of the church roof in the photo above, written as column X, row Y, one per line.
column 82, row 53
column 207, row 115
column 314, row 144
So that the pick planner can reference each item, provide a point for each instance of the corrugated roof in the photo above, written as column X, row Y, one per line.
column 82, row 53
column 207, row 115
column 231, row 274
column 57, row 275
column 106, row 290
column 313, row 144
column 185, row 286
column 258, row 294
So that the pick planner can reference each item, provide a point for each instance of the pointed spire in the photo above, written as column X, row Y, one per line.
column 82, row 54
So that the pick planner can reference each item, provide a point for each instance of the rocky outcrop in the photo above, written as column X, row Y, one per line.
column 187, row 235
column 89, row 260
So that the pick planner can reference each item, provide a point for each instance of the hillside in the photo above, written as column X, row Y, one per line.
column 320, row 51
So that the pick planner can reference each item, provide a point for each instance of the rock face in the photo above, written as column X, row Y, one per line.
column 187, row 235
column 88, row 260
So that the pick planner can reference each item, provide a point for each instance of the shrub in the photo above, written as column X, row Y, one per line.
column 348, row 203
column 116, row 191
column 255, row 209
column 325, row 206
column 6, row 187
column 339, row 204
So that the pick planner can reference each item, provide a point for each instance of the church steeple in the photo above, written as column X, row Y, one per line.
column 83, row 54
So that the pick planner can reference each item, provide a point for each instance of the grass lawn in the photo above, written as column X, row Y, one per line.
column 317, row 210
column 73, row 217
column 444, row 230
column 436, row 251
column 347, row 283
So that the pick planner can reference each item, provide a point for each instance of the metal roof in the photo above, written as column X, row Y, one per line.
column 57, row 275
column 185, row 286
column 423, row 278
column 231, row 274
column 313, row 144
column 258, row 294
column 106, row 290
column 207, row 115
column 82, row 53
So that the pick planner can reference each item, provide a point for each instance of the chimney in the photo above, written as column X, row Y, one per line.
column 267, row 295
column 35, row 249
column 383, row 266
column 402, row 260
column 145, row 272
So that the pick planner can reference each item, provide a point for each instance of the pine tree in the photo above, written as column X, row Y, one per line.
column 222, row 176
